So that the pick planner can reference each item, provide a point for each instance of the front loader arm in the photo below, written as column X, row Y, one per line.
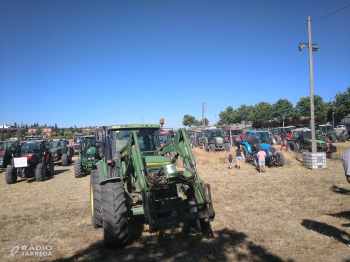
column 180, row 145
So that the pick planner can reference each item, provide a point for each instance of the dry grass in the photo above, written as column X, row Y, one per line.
column 286, row 214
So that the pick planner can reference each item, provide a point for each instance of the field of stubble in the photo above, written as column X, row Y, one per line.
column 286, row 214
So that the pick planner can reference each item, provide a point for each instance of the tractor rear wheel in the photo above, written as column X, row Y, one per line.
column 78, row 168
column 212, row 148
column 285, row 140
column 256, row 160
column 246, row 154
column 227, row 147
column 308, row 149
column 40, row 172
column 280, row 158
column 342, row 138
column 64, row 159
column 195, row 144
column 114, row 214
column 274, row 139
column 11, row 175
column 331, row 138
column 50, row 167
column 95, row 200
column 291, row 146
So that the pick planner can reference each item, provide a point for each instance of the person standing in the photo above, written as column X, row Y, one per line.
column 230, row 161
column 346, row 165
column 261, row 156
column 239, row 157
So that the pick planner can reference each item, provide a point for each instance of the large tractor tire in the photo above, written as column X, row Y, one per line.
column 308, row 149
column 195, row 144
column 78, row 168
column 331, row 138
column 291, row 146
column 50, row 167
column 95, row 200
column 274, row 139
column 246, row 154
column 256, row 160
column 227, row 147
column 205, row 146
column 280, row 159
column 11, row 175
column 114, row 215
column 285, row 140
column 40, row 172
column 64, row 160
column 342, row 138
column 212, row 148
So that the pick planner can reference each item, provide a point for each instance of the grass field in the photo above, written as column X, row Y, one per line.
column 286, row 214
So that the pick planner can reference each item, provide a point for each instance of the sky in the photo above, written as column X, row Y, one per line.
column 118, row 62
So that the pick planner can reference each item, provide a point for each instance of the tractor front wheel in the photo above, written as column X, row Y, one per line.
column 95, row 200
column 78, row 168
column 291, row 146
column 212, row 148
column 227, row 147
column 40, row 172
column 64, row 159
column 331, row 138
column 280, row 159
column 342, row 138
column 246, row 154
column 11, row 175
column 256, row 160
column 114, row 214
column 274, row 139
column 51, row 167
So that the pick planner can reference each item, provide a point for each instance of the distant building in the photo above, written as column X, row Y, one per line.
column 47, row 130
column 7, row 126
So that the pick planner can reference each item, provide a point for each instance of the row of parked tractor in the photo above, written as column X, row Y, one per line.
column 35, row 157
column 294, row 139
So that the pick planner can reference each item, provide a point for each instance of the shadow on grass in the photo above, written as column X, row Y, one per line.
column 326, row 230
column 345, row 215
column 57, row 172
column 340, row 190
column 178, row 246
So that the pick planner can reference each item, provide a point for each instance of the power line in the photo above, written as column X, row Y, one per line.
column 330, row 13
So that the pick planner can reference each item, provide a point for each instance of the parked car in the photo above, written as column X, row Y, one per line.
column 340, row 127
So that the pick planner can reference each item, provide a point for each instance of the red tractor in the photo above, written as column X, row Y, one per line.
column 234, row 136
column 6, row 153
column 282, row 134
column 32, row 159
column 163, row 138
column 76, row 143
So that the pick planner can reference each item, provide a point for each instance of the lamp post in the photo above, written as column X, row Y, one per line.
column 312, row 47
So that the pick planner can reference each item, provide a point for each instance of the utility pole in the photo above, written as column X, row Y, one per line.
column 203, row 110
column 312, row 113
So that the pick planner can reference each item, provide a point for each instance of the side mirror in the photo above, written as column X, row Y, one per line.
column 99, row 137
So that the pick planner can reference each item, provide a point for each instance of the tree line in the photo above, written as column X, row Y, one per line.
column 189, row 120
column 263, row 113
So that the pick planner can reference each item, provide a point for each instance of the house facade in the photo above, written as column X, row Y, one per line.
column 47, row 130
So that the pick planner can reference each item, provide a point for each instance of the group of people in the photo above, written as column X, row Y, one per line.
column 239, row 156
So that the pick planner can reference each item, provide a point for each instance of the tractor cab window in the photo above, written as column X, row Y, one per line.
column 308, row 135
column 199, row 135
column 288, row 130
column 281, row 130
column 163, row 139
column 262, row 137
column 89, row 142
column 215, row 133
column 55, row 144
column 329, row 128
column 148, row 139
column 322, row 128
column 228, row 132
column 27, row 148
column 77, row 138
column 237, row 132
column 249, row 138
column 5, row 145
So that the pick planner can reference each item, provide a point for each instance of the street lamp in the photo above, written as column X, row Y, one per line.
column 312, row 47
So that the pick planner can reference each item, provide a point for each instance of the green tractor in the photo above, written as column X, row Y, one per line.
column 138, row 178
column 61, row 151
column 301, row 141
column 89, row 154
column 213, row 140
column 328, row 134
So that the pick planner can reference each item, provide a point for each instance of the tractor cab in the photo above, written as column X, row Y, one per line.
column 6, row 153
column 60, row 150
column 33, row 138
column 255, row 138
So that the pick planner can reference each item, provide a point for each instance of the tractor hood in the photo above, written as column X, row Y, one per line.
column 28, row 156
column 156, row 160
column 319, row 143
column 219, row 140
column 2, row 152
column 91, row 151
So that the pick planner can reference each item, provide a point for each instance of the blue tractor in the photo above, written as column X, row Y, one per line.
column 253, row 141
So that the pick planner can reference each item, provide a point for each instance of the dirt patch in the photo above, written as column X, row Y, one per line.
column 286, row 214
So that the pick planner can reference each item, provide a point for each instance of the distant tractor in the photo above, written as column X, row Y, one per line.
column 33, row 138
column 33, row 159
column 6, row 153
column 254, row 140
column 90, row 153
column 213, row 141
column 197, row 139
column 301, row 141
column 75, row 144
column 234, row 136
column 328, row 134
column 61, row 151
column 282, row 134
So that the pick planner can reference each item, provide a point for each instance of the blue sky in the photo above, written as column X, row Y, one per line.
column 111, row 62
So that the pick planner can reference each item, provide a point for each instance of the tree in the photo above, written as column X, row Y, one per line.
column 294, row 114
column 282, row 108
column 26, row 128
column 20, row 133
column 244, row 113
column 54, row 134
column 2, row 136
column 197, row 123
column 206, row 122
column 342, row 103
column 189, row 120
column 8, row 134
column 303, row 106
column 226, row 117
column 38, row 131
column 261, row 112
column 15, row 125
